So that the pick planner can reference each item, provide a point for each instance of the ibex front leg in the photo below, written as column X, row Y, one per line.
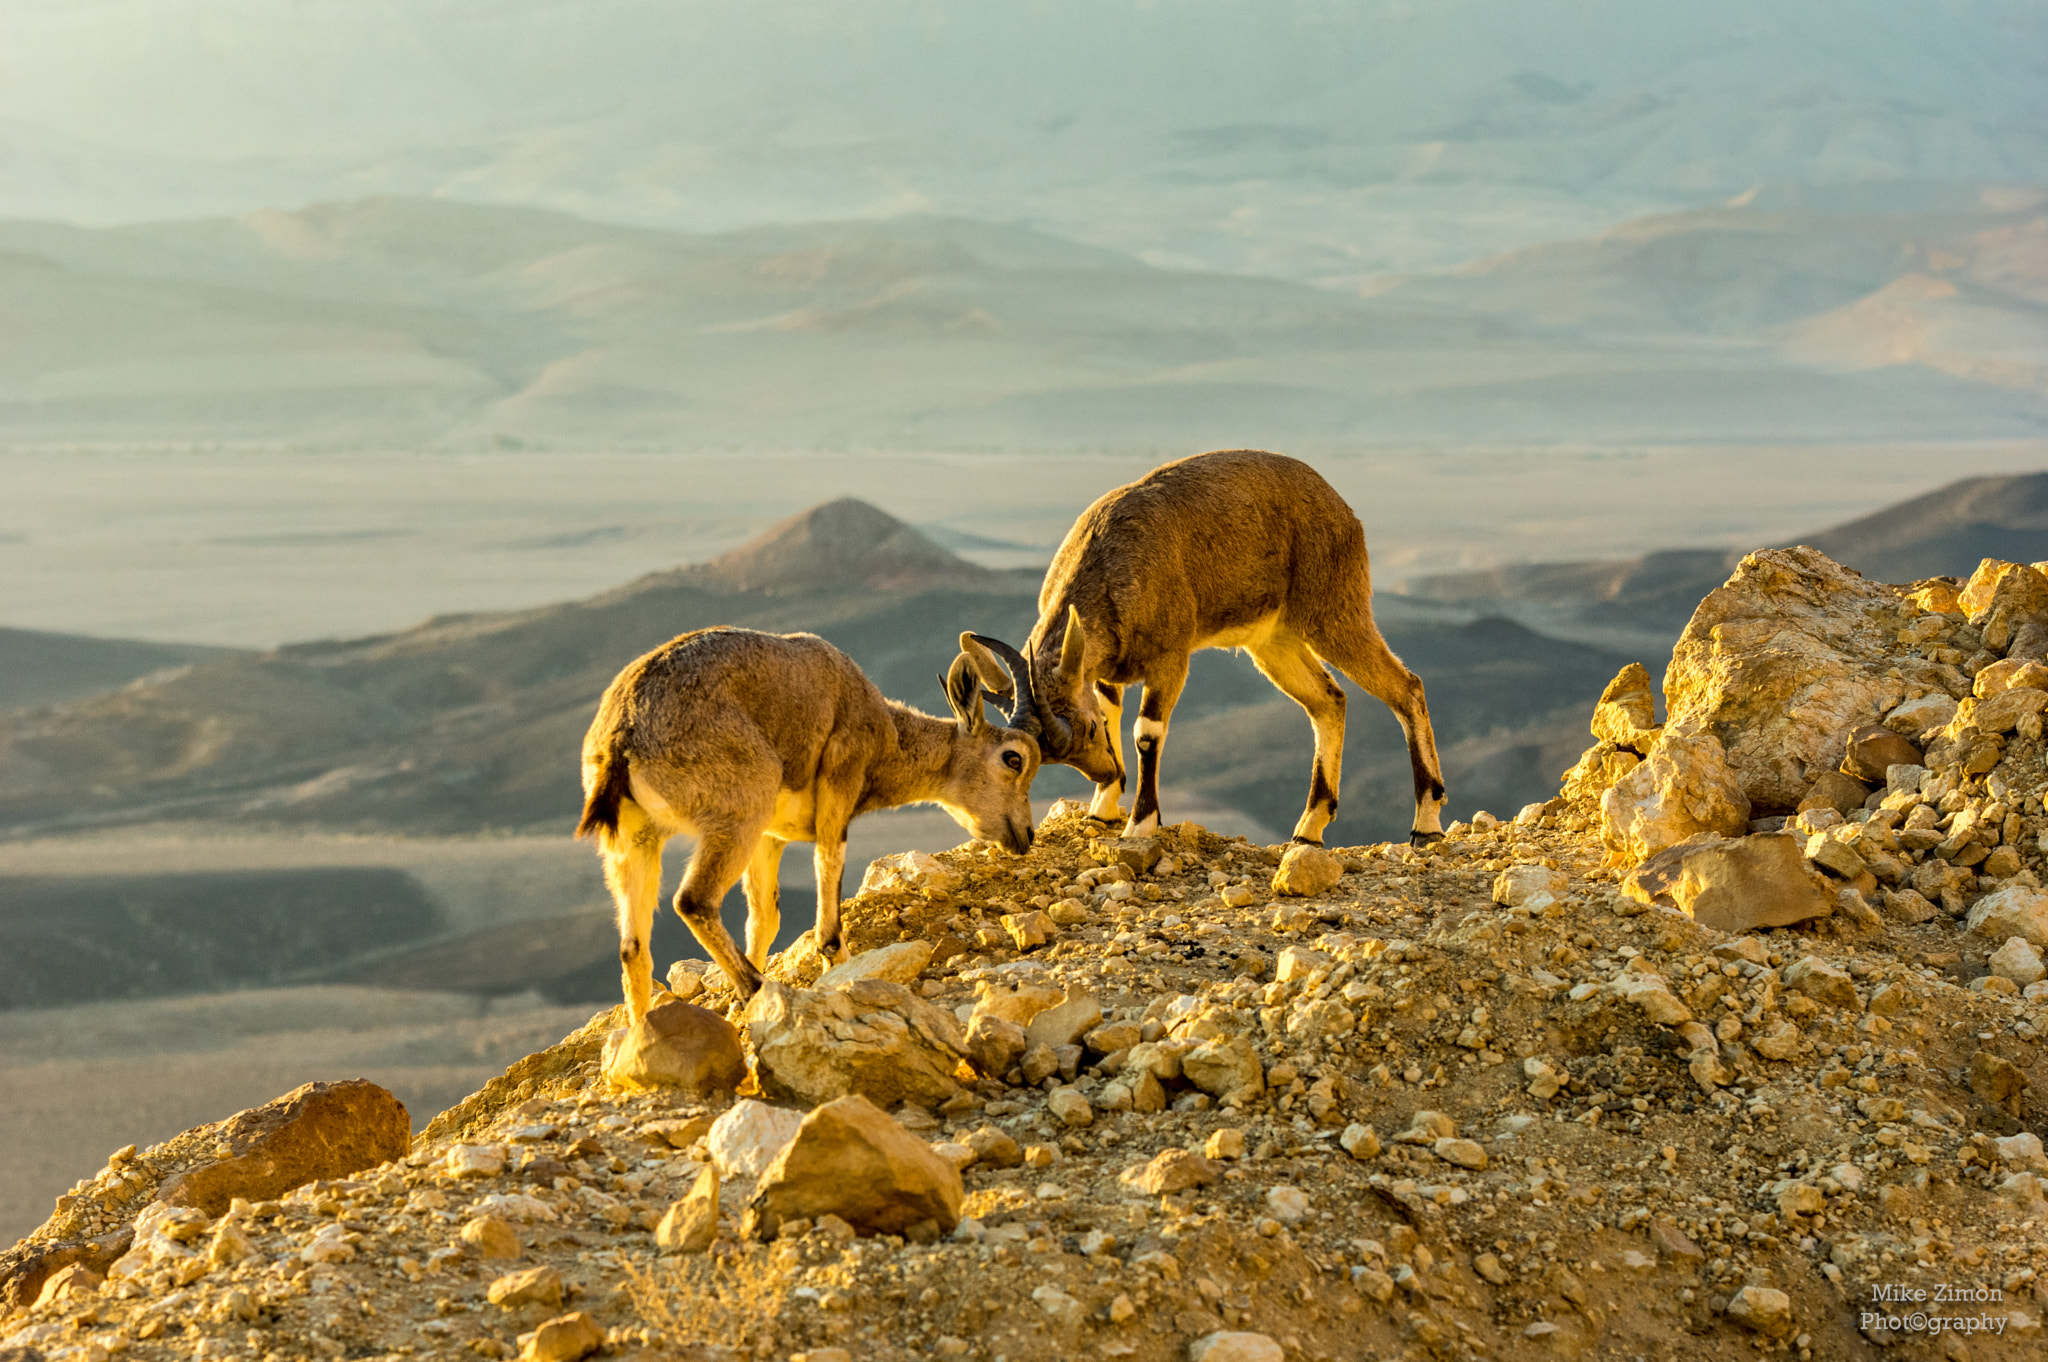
column 1108, row 801
column 1155, row 710
column 833, row 813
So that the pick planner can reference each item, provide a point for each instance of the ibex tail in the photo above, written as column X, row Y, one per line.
column 613, row 784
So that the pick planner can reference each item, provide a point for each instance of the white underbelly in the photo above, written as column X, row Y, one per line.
column 1243, row 636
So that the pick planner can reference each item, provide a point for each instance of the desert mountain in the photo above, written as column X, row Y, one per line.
column 843, row 545
column 42, row 668
column 428, row 322
column 1946, row 532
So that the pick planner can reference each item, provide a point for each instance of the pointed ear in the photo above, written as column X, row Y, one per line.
column 963, row 693
column 995, row 677
column 1074, row 648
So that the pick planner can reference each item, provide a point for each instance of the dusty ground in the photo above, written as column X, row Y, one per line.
column 1615, row 1219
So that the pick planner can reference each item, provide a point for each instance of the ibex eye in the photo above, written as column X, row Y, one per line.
column 1013, row 761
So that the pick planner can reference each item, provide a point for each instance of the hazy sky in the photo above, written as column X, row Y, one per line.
column 1247, row 133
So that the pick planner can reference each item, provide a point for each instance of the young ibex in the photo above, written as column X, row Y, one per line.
column 1232, row 549
column 750, row 741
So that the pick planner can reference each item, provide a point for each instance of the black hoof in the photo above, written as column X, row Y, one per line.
column 1423, row 839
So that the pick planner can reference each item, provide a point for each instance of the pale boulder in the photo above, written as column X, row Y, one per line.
column 1014, row 999
column 1780, row 664
column 1598, row 769
column 850, row 1159
column 1169, row 1171
column 2012, row 911
column 2002, row 712
column 909, row 870
column 1685, row 787
column 1626, row 715
column 565, row 1338
column 1734, row 885
column 1653, row 996
column 897, row 964
column 871, row 1037
column 1915, row 717
column 1822, row 982
column 2018, row 961
column 1762, row 1309
column 1517, row 884
column 1873, row 749
column 1235, row 1347
column 1306, row 871
column 535, row 1286
column 749, row 1137
column 1065, row 1022
column 2014, row 618
column 676, row 1045
column 690, row 1225
column 1225, row 1067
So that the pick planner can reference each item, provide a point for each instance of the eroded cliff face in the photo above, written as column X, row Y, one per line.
column 1724, row 1045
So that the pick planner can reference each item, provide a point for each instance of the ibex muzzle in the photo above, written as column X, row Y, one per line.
column 1232, row 549
column 750, row 741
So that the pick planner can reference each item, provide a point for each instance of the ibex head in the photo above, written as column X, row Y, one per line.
column 1066, row 720
column 988, row 780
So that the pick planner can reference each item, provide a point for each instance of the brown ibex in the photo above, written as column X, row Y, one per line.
column 1236, row 548
column 751, row 741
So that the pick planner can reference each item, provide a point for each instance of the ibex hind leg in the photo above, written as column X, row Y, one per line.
column 763, row 880
column 721, row 858
column 1363, row 655
column 1287, row 662
column 632, row 870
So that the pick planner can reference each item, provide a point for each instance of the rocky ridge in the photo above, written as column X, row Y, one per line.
column 1546, row 1087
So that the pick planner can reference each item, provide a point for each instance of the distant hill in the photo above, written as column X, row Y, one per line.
column 40, row 668
column 1946, row 532
column 471, row 722
column 1843, row 314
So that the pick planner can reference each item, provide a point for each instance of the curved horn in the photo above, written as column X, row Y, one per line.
column 1026, row 713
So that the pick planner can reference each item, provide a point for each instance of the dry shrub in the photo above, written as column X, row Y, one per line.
column 724, row 1299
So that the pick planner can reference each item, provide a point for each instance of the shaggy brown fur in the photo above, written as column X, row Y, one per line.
column 750, row 741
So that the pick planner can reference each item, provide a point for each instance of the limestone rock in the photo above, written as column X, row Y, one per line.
column 1319, row 1019
column 535, row 1286
column 1515, row 886
column 1650, row 993
column 1135, row 854
column 1225, row 1067
column 749, row 1137
column 690, row 1225
column 2002, row 712
column 488, row 1236
column 994, row 1044
column 76, row 1279
column 2008, row 673
column 1069, row 1106
column 320, row 1130
column 2018, row 961
column 2013, row 911
column 1299, row 962
column 1872, row 749
column 871, row 1037
column 565, row 1338
column 1461, row 1153
column 1997, row 1080
column 1598, row 769
column 1015, row 999
column 1627, row 712
column 909, row 870
column 1289, row 1205
column 1685, row 787
column 1170, row 1170
column 2013, row 619
column 995, row 1147
column 1029, row 930
column 1762, row 1309
column 1064, row 1023
column 1734, row 885
column 1306, row 871
column 474, row 1160
column 850, row 1159
column 898, row 963
column 1781, row 664
column 676, row 1045
column 1917, row 718
column 1833, row 790
column 1235, row 1347
column 1781, row 1042
column 1822, row 982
